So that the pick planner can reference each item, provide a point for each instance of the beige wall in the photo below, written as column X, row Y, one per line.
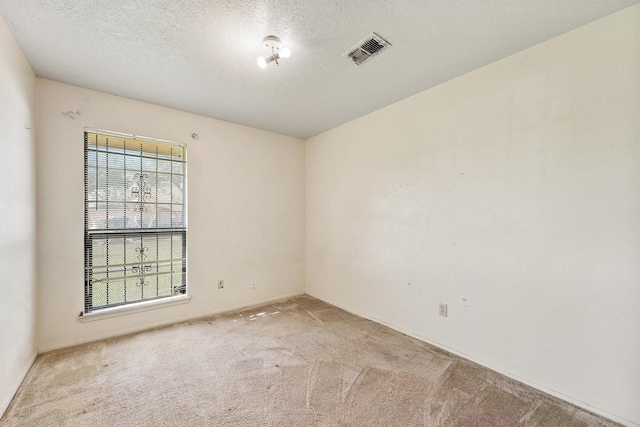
column 245, row 211
column 17, row 217
column 512, row 195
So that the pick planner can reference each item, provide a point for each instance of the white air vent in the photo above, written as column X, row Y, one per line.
column 369, row 47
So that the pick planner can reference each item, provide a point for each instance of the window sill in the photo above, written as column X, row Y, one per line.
column 108, row 313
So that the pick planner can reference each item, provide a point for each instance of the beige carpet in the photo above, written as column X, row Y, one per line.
column 299, row 362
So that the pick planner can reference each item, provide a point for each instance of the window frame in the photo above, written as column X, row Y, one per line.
column 91, row 233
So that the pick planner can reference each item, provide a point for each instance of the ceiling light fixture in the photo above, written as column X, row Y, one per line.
column 277, row 51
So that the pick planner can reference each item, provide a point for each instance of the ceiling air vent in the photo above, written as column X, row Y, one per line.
column 367, row 48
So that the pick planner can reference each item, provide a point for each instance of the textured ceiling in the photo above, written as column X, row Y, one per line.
column 200, row 55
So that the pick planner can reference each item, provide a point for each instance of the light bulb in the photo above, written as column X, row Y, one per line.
column 285, row 53
column 262, row 63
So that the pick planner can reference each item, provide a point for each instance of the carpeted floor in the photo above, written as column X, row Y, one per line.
column 299, row 362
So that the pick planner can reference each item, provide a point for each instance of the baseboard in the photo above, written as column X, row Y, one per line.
column 554, row 393
column 533, row 384
column 174, row 321
column 5, row 403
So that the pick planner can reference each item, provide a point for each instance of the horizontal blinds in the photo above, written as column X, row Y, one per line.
column 135, row 220
column 132, row 184
column 115, row 143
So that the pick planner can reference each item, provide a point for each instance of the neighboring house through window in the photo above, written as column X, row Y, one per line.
column 135, row 219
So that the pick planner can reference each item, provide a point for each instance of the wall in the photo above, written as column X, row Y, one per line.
column 511, row 194
column 245, row 211
column 18, row 294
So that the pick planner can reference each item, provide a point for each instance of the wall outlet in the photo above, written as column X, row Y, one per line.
column 253, row 284
column 443, row 310
column 220, row 284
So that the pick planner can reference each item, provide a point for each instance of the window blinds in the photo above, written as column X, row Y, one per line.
column 135, row 219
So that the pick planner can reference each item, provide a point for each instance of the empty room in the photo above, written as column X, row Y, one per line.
column 319, row 213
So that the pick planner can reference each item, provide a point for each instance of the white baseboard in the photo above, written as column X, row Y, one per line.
column 554, row 393
column 25, row 370
column 533, row 384
column 174, row 321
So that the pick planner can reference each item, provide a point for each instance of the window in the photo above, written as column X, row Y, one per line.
column 135, row 219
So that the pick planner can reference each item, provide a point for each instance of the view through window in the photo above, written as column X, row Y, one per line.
column 135, row 219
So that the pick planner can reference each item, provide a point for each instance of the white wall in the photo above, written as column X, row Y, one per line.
column 245, row 211
column 17, row 217
column 511, row 194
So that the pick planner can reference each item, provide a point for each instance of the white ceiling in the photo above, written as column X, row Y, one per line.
column 200, row 55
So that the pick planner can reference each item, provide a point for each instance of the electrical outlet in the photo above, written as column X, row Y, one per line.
column 443, row 310
column 220, row 284
column 253, row 284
